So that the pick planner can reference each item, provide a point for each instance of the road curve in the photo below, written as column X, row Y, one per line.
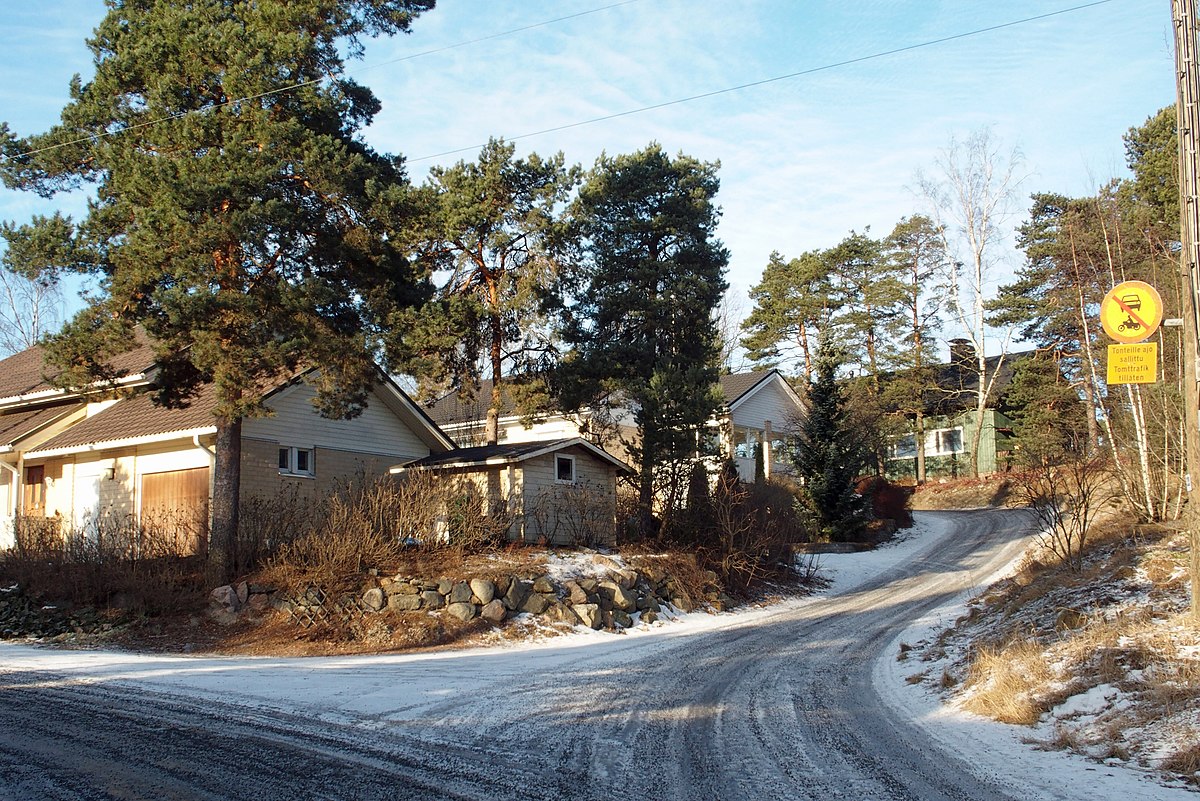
column 781, row 707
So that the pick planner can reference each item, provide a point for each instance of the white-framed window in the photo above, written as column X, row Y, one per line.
column 564, row 468
column 903, row 448
column 944, row 441
column 939, row 442
column 296, row 462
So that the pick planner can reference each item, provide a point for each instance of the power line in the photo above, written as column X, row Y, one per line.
column 292, row 87
column 739, row 87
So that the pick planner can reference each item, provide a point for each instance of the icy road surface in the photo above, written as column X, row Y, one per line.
column 777, row 703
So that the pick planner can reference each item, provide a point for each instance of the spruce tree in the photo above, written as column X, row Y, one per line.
column 830, row 454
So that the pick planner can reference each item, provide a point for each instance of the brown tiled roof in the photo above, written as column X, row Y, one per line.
column 15, row 427
column 27, row 372
column 138, row 416
column 735, row 385
column 452, row 408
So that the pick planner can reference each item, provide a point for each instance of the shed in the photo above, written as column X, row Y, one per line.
column 560, row 492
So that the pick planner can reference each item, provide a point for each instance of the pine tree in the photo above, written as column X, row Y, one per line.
column 916, row 248
column 486, row 235
column 647, row 277
column 238, row 218
column 793, row 303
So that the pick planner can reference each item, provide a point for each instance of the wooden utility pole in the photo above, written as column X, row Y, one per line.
column 1187, row 75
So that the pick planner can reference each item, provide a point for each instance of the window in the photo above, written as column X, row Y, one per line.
column 946, row 441
column 903, row 448
column 564, row 469
column 296, row 462
column 939, row 442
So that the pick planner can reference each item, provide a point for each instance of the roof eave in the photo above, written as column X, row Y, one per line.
column 42, row 396
column 127, row 442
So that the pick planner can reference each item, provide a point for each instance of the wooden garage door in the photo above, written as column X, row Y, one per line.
column 175, row 506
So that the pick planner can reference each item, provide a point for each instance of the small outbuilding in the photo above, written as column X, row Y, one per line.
column 560, row 492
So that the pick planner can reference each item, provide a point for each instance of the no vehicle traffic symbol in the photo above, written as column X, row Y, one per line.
column 1131, row 311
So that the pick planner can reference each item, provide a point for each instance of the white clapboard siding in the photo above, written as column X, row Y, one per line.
column 770, row 402
column 296, row 423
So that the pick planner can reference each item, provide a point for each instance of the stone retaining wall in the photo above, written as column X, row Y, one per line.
column 615, row 599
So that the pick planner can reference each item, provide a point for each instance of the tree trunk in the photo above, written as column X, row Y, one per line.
column 227, row 481
column 981, row 398
column 492, row 434
column 920, row 436
column 646, row 501
column 1142, row 437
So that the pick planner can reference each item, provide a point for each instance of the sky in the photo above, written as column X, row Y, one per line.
column 804, row 160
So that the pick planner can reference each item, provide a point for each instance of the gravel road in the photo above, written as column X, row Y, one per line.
column 780, row 707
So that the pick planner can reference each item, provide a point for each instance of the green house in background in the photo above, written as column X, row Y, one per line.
column 950, row 420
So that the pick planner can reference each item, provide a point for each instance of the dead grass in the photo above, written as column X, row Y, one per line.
column 962, row 493
column 1003, row 683
column 1184, row 763
column 1048, row 634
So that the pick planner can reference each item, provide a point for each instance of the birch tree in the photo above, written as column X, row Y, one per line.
column 31, row 301
column 972, row 197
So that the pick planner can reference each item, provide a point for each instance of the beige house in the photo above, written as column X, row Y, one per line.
column 760, row 407
column 561, row 491
column 82, row 457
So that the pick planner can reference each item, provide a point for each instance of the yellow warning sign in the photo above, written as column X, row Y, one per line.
column 1133, row 364
column 1131, row 311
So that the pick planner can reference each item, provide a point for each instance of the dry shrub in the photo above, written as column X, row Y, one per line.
column 1004, row 682
column 111, row 560
column 1067, row 497
column 267, row 523
column 889, row 501
column 385, row 524
column 572, row 514
column 690, row 581
column 743, row 532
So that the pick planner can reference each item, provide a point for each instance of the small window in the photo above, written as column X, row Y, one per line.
column 564, row 469
column 296, row 462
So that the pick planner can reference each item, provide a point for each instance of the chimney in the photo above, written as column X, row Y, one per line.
column 962, row 356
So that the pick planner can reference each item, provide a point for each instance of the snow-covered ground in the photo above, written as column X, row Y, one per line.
column 384, row 690
column 997, row 748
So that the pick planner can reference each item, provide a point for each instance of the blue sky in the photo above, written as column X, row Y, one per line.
column 804, row 160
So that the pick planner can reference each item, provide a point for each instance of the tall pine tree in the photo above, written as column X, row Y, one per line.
column 237, row 217
column 647, row 278
column 485, row 234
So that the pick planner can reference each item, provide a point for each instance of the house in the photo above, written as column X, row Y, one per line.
column 560, row 491
column 759, row 407
column 80, row 457
column 951, row 414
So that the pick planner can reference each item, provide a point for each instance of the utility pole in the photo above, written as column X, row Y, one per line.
column 1187, row 75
